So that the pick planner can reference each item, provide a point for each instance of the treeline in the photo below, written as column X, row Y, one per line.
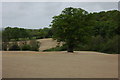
column 18, row 34
column 104, row 31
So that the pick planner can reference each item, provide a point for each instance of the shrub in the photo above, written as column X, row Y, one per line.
column 94, row 44
column 4, row 46
column 112, row 45
column 100, row 44
column 34, row 45
column 58, row 48
column 26, row 47
column 14, row 47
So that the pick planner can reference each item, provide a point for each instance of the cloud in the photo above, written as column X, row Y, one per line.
column 39, row 14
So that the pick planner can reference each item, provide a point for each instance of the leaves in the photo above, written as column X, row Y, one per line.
column 71, row 25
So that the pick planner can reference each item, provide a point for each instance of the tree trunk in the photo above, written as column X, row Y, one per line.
column 70, row 48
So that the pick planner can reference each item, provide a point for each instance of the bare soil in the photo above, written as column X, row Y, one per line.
column 81, row 64
column 47, row 43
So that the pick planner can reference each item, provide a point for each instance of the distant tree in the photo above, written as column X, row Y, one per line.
column 106, row 23
column 47, row 32
column 14, row 33
column 6, row 34
column 71, row 27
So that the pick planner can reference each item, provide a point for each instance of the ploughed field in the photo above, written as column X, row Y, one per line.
column 80, row 64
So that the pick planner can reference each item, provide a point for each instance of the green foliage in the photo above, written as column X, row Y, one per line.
column 101, row 44
column 70, row 26
column 112, row 45
column 103, row 29
column 96, row 43
column 15, row 34
column 106, row 23
column 39, row 33
column 25, row 47
column 80, row 30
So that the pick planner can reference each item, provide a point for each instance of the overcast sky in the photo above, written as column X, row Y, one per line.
column 39, row 14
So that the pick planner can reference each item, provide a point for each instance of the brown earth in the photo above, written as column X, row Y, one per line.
column 81, row 64
column 48, row 43
column 0, row 65
column 45, row 43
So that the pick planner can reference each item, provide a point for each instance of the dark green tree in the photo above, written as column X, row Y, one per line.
column 14, row 33
column 71, row 27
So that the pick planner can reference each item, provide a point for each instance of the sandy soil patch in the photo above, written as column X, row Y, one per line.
column 81, row 64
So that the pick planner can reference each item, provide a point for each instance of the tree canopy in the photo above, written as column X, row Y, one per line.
column 78, row 29
column 16, row 33
column 71, row 26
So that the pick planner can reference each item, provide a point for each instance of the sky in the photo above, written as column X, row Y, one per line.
column 36, row 15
